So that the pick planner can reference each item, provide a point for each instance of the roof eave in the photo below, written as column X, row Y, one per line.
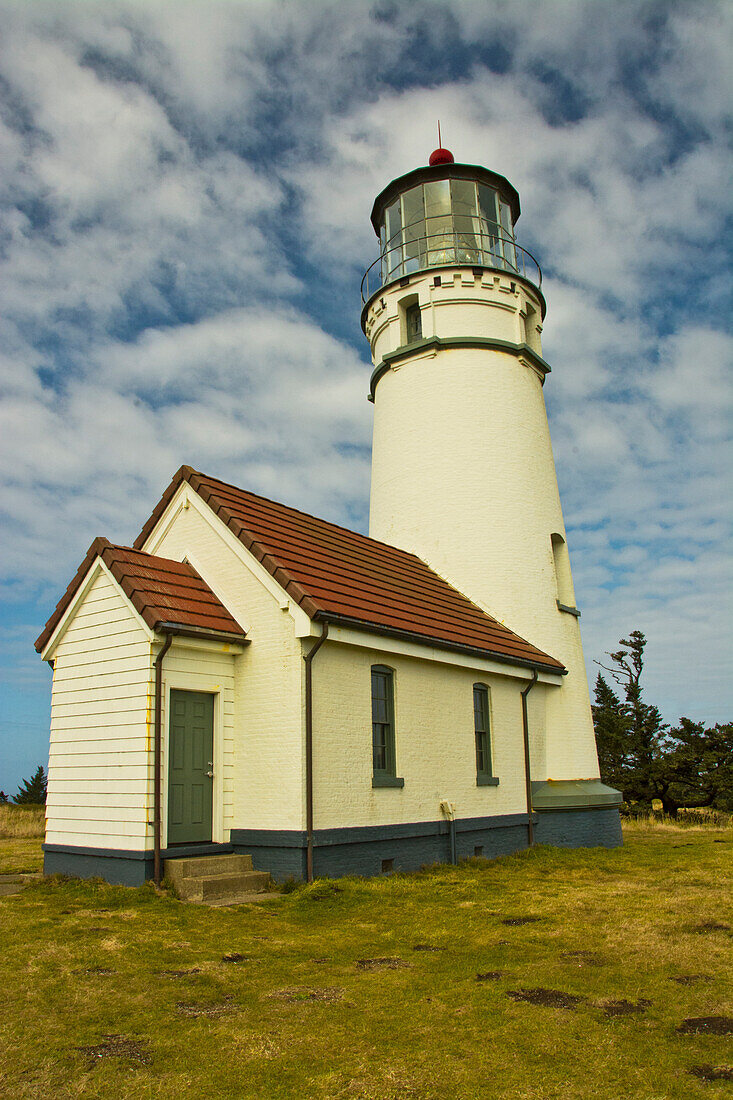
column 184, row 630
column 548, row 666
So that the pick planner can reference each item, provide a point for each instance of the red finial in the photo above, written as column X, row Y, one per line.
column 440, row 155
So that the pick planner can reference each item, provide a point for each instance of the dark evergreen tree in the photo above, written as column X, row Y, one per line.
column 699, row 765
column 3, row 798
column 612, row 736
column 32, row 792
column 639, row 724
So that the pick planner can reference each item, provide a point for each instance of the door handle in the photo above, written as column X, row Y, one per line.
column 210, row 775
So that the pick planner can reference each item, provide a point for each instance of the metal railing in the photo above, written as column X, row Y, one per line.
column 493, row 250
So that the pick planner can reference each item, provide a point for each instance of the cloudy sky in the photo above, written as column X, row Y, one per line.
column 184, row 219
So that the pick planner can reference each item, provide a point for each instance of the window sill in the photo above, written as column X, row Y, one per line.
column 387, row 781
column 568, row 610
column 487, row 781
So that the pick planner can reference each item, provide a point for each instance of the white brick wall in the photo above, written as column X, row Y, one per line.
column 434, row 737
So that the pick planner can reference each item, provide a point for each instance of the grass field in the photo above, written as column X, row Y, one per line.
column 550, row 974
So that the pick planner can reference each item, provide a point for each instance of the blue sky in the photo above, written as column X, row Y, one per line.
column 184, row 220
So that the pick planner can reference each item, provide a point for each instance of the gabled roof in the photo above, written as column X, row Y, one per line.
column 164, row 592
column 339, row 576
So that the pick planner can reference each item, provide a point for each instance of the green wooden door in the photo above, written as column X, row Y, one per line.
column 190, row 782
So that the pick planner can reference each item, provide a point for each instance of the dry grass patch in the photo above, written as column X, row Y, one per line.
column 18, row 822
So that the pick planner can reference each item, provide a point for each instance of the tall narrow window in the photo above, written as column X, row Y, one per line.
column 563, row 577
column 413, row 323
column 482, row 731
column 383, row 734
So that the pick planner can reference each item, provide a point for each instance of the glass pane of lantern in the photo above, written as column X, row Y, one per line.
column 508, row 235
column 394, row 238
column 382, row 250
column 439, row 222
column 489, row 226
column 413, row 219
column 465, row 220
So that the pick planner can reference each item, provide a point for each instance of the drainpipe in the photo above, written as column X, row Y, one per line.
column 158, row 751
column 527, row 773
column 449, row 811
column 308, row 658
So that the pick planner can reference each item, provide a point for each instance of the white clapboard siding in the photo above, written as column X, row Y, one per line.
column 96, row 764
column 100, row 755
column 101, row 835
column 90, row 790
column 267, row 780
column 73, row 693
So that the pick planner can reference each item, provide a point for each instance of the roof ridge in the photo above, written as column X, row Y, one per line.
column 310, row 515
column 294, row 546
column 347, row 530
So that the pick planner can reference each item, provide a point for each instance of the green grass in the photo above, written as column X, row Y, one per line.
column 298, row 1018
column 20, row 856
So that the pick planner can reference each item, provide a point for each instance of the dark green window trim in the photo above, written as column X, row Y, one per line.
column 384, row 766
column 413, row 323
column 482, row 735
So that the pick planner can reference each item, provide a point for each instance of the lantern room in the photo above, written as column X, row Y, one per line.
column 446, row 214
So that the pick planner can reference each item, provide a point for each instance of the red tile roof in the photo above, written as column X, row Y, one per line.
column 161, row 590
column 337, row 575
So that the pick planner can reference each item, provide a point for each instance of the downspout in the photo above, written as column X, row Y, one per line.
column 158, row 752
column 527, row 773
column 449, row 811
column 308, row 658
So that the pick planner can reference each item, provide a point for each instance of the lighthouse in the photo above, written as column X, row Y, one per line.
column 463, row 473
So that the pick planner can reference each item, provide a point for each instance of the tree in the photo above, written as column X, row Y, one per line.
column 3, row 798
column 32, row 792
column 629, row 734
column 699, row 765
column 687, row 766
column 612, row 735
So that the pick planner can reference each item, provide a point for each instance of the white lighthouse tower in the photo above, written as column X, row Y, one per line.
column 462, row 466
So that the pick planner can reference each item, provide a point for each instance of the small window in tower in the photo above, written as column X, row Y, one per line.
column 531, row 335
column 563, row 577
column 413, row 321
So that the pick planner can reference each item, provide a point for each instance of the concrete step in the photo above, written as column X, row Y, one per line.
column 216, row 880
column 265, row 897
column 219, row 886
column 196, row 866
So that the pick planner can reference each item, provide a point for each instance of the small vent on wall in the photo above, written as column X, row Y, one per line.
column 478, row 850
column 387, row 865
